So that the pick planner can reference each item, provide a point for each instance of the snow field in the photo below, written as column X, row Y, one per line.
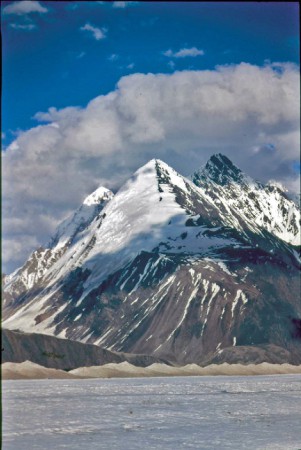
column 207, row 413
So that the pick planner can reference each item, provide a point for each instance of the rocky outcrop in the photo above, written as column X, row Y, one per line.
column 52, row 352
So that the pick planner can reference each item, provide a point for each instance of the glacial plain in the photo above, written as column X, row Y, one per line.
column 207, row 413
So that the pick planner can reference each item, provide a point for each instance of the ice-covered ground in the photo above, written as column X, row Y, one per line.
column 262, row 412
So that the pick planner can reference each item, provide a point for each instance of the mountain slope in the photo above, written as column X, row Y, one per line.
column 262, row 207
column 35, row 270
column 52, row 352
column 173, row 267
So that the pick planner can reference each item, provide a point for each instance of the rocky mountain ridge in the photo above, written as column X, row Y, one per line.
column 172, row 267
column 56, row 353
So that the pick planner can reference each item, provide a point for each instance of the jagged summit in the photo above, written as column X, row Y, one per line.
column 220, row 170
column 261, row 207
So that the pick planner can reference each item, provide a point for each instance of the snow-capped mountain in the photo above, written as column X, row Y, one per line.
column 262, row 207
column 41, row 260
column 169, row 266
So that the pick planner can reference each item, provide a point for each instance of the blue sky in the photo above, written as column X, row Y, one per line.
column 56, row 64
column 93, row 90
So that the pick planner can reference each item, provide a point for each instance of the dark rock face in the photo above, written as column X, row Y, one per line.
column 218, row 281
column 64, row 354
column 268, row 353
column 188, row 310
column 220, row 170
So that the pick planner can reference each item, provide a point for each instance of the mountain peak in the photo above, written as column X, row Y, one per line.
column 167, row 268
column 220, row 159
column 220, row 170
column 97, row 196
column 158, row 171
column 82, row 217
column 155, row 163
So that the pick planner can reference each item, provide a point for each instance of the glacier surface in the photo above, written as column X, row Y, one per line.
column 261, row 412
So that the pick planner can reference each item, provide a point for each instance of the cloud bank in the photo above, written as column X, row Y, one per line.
column 249, row 113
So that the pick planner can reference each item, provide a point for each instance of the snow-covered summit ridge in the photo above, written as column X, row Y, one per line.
column 163, row 173
column 151, row 211
column 98, row 196
column 139, row 212
column 262, row 206
column 68, row 232
column 82, row 217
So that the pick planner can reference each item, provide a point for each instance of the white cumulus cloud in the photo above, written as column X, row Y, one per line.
column 181, row 118
column 184, row 52
column 97, row 33
column 24, row 7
